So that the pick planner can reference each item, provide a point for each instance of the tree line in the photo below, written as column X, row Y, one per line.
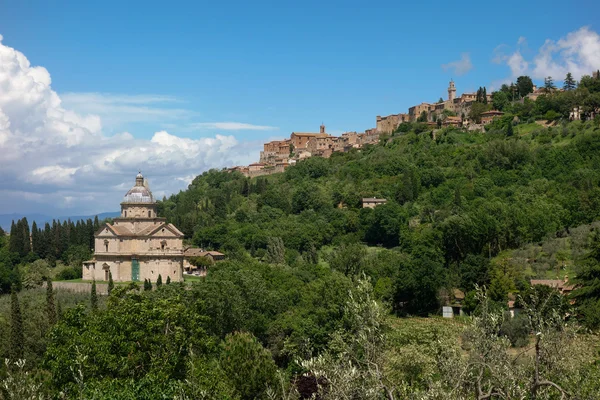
column 68, row 242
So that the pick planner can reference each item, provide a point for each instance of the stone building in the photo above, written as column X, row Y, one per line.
column 389, row 123
column 372, row 202
column 138, row 245
column 488, row 116
column 300, row 139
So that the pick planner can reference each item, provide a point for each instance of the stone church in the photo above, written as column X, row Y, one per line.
column 138, row 245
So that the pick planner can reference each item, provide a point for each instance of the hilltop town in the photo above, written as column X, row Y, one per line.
column 277, row 155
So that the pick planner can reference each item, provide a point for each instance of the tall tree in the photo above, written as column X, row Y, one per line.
column 524, row 86
column 94, row 296
column 549, row 84
column 159, row 281
column 484, row 96
column 570, row 83
column 26, row 238
column 50, row 306
column 14, row 243
column 17, row 339
column 111, row 283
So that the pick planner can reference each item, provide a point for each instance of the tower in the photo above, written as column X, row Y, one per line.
column 451, row 91
column 322, row 129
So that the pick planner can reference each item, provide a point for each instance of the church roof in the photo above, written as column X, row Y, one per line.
column 121, row 230
column 140, row 193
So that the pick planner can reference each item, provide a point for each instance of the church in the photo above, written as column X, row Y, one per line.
column 138, row 245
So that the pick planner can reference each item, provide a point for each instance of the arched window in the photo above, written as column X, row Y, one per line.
column 149, row 214
column 106, row 246
column 125, row 214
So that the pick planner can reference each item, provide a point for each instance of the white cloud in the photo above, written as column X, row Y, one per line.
column 118, row 109
column 52, row 156
column 578, row 52
column 459, row 67
column 230, row 126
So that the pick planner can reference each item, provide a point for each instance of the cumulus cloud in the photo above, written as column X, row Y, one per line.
column 578, row 52
column 52, row 156
column 459, row 67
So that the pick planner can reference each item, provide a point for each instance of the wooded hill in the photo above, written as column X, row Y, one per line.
column 455, row 200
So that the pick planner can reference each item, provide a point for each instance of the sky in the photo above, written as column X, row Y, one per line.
column 92, row 92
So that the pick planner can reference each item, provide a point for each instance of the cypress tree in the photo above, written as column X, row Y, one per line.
column 147, row 285
column 111, row 284
column 90, row 230
column 94, row 296
column 50, row 306
column 26, row 240
column 17, row 340
column 35, row 239
column 484, row 95
column 96, row 224
column 14, row 242
column 159, row 281
column 168, row 280
column 509, row 130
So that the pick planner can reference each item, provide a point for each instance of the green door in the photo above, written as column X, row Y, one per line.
column 135, row 269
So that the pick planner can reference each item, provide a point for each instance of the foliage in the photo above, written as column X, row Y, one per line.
column 247, row 365
column 17, row 338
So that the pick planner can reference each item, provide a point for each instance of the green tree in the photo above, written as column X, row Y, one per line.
column 569, row 83
column 524, row 86
column 111, row 283
column 159, row 281
column 422, row 117
column 484, row 96
column 168, row 280
column 50, row 305
column 509, row 129
column 94, row 296
column 549, row 85
column 275, row 251
column 348, row 259
column 248, row 365
column 587, row 292
column 17, row 338
column 147, row 285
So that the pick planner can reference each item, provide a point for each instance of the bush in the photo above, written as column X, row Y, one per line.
column 69, row 273
column 248, row 365
column 516, row 329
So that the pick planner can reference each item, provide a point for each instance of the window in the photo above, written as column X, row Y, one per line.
column 149, row 214
column 162, row 246
column 125, row 214
column 106, row 246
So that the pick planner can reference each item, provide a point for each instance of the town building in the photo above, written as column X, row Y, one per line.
column 193, row 252
column 489, row 116
column 138, row 245
column 372, row 202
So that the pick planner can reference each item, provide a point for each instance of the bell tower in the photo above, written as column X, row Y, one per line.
column 451, row 91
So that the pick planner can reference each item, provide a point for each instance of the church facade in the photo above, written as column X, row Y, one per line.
column 138, row 245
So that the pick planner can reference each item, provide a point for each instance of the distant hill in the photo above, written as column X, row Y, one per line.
column 41, row 219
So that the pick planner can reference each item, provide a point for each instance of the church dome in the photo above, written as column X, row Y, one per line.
column 140, row 193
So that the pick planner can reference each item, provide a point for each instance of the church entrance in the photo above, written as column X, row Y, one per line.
column 135, row 269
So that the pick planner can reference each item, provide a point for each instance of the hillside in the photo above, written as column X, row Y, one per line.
column 456, row 200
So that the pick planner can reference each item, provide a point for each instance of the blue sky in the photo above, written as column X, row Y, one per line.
column 259, row 70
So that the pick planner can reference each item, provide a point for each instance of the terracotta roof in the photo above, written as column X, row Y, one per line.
column 492, row 112
column 197, row 252
column 310, row 134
